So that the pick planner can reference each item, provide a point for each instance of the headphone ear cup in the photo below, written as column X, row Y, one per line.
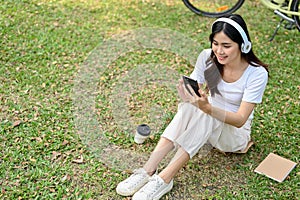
column 243, row 48
column 246, row 48
column 249, row 47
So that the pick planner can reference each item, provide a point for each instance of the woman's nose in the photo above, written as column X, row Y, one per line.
column 220, row 50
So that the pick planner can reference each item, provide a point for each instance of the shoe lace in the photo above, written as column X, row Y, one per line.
column 153, row 186
column 136, row 178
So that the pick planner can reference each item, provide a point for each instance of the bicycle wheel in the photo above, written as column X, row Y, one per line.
column 213, row 8
column 295, row 8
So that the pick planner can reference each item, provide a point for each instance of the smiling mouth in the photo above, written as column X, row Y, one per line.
column 221, row 57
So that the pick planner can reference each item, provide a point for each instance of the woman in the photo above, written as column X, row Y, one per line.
column 235, row 80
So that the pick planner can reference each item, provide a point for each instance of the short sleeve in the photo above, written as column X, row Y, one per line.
column 198, row 72
column 255, row 85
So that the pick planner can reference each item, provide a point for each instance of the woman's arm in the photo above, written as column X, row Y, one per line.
column 237, row 119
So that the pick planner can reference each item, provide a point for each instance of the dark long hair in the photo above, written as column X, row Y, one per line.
column 231, row 32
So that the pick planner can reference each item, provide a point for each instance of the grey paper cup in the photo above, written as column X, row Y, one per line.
column 142, row 133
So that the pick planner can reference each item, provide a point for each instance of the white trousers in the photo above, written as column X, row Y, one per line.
column 191, row 128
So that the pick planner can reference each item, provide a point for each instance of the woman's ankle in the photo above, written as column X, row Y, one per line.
column 150, row 172
column 166, row 179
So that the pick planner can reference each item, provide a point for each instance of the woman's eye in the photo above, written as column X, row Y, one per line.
column 226, row 47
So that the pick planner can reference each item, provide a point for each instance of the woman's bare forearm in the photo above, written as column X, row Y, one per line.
column 236, row 119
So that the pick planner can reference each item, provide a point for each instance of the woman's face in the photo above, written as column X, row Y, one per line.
column 226, row 50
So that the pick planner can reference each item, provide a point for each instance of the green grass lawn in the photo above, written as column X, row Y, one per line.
column 52, row 49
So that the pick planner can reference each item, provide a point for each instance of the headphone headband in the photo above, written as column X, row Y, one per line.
column 246, row 46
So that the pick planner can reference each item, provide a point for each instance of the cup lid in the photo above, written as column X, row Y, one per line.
column 143, row 129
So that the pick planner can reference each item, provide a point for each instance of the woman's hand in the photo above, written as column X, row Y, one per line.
column 200, row 102
column 182, row 91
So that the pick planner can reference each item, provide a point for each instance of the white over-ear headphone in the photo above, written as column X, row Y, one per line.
column 246, row 46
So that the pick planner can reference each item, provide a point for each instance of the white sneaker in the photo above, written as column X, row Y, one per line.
column 133, row 183
column 154, row 189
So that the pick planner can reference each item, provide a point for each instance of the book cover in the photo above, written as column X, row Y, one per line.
column 275, row 167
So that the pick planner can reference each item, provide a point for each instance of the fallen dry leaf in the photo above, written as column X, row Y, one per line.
column 79, row 160
column 55, row 155
column 17, row 123
column 66, row 177
column 65, row 142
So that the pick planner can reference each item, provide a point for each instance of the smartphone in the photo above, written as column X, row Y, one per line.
column 193, row 83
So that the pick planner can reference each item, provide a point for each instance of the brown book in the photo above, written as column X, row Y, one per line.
column 275, row 167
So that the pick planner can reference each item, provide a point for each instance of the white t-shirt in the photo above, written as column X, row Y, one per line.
column 249, row 87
